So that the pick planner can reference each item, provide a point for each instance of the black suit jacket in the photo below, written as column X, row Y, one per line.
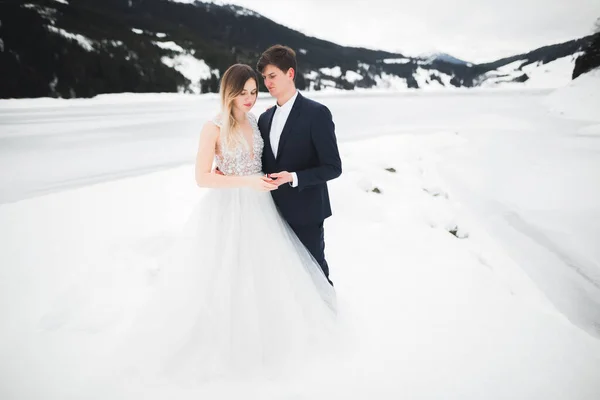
column 308, row 147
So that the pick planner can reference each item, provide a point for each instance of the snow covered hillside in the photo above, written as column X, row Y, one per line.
column 520, row 73
column 579, row 100
column 84, row 48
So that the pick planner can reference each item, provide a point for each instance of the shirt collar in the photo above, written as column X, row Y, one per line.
column 288, row 104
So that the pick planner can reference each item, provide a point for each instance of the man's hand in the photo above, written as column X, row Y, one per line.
column 279, row 178
column 261, row 183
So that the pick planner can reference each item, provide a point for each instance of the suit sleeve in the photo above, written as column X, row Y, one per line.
column 325, row 143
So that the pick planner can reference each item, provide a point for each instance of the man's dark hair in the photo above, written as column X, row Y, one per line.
column 280, row 56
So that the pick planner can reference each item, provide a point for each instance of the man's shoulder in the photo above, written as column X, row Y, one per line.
column 314, row 106
column 264, row 114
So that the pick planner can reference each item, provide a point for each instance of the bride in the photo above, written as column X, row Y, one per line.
column 238, row 291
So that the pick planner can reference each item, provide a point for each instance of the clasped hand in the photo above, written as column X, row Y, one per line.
column 266, row 183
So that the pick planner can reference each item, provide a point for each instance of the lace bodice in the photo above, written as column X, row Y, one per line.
column 241, row 160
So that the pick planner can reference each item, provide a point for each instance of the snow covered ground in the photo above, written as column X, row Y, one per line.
column 473, row 274
column 48, row 144
column 553, row 74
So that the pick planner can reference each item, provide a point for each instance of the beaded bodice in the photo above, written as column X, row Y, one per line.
column 241, row 160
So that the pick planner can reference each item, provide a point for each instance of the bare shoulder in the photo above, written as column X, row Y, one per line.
column 210, row 130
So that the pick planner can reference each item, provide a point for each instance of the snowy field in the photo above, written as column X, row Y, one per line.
column 473, row 274
column 48, row 145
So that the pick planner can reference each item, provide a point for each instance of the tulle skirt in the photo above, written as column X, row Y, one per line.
column 237, row 293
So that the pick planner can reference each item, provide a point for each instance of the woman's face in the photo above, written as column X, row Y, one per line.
column 245, row 100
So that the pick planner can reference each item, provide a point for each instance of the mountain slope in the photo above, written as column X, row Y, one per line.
column 81, row 48
column 590, row 59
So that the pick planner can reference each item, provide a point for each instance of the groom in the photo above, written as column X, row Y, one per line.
column 300, row 151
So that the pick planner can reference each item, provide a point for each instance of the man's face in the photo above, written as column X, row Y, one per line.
column 277, row 81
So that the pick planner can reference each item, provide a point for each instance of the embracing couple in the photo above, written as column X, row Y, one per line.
column 290, row 151
column 252, row 286
column 248, row 284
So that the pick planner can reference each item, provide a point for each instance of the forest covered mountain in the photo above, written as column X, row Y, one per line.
column 81, row 48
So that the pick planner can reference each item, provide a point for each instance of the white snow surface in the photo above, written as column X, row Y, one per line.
column 48, row 13
column 83, row 41
column 425, row 81
column 217, row 2
column 352, row 76
column 396, row 60
column 334, row 72
column 554, row 74
column 389, row 81
column 580, row 99
column 508, row 307
column 185, row 63
column 170, row 46
column 190, row 67
column 328, row 83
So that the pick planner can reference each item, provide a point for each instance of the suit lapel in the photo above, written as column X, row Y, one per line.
column 270, row 114
column 294, row 113
column 266, row 133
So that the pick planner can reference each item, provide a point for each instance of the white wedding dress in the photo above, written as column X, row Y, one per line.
column 238, row 292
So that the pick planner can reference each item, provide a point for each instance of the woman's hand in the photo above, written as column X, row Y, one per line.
column 261, row 183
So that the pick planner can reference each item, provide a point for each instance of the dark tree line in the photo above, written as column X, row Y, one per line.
column 590, row 58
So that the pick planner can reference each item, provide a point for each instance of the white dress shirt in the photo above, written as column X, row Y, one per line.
column 279, row 119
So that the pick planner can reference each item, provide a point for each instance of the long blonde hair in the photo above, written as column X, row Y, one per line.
column 232, row 85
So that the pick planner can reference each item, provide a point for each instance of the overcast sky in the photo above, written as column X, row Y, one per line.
column 474, row 30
